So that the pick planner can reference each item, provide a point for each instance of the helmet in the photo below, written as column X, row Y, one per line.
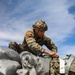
column 41, row 25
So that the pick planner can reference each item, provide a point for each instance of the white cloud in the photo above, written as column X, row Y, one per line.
column 54, row 12
column 67, row 49
column 9, row 36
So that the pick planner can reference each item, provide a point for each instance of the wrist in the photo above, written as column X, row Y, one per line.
column 54, row 50
column 47, row 52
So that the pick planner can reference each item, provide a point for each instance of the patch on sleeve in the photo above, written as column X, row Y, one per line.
column 28, row 34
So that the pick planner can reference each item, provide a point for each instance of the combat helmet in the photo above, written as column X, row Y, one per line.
column 41, row 25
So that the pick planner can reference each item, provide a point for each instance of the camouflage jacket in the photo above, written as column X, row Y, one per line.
column 33, row 44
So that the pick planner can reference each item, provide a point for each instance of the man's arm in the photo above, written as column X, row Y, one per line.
column 49, row 44
column 35, row 47
column 32, row 44
column 52, row 54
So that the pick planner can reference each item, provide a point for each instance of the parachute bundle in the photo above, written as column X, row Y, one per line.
column 25, row 63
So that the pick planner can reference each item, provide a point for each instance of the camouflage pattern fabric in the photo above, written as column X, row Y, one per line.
column 15, row 46
column 34, row 44
column 41, row 25
column 54, row 66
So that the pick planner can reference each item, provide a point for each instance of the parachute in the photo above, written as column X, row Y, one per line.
column 12, row 63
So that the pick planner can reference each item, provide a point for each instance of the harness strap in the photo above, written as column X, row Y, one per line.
column 62, row 66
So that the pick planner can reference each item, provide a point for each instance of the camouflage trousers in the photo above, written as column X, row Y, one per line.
column 54, row 66
column 16, row 47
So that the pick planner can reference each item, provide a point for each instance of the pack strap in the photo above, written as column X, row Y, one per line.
column 62, row 66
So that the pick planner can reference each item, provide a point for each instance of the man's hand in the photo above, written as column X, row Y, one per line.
column 52, row 54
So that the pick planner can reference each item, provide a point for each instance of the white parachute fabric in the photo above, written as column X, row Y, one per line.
column 8, row 67
column 9, row 61
column 62, row 66
column 30, row 62
column 6, row 53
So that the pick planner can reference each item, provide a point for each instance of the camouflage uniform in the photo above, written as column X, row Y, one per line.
column 33, row 44
column 54, row 66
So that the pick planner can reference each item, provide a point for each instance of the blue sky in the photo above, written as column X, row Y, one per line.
column 17, row 16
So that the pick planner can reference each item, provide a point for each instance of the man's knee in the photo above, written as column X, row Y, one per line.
column 13, row 45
